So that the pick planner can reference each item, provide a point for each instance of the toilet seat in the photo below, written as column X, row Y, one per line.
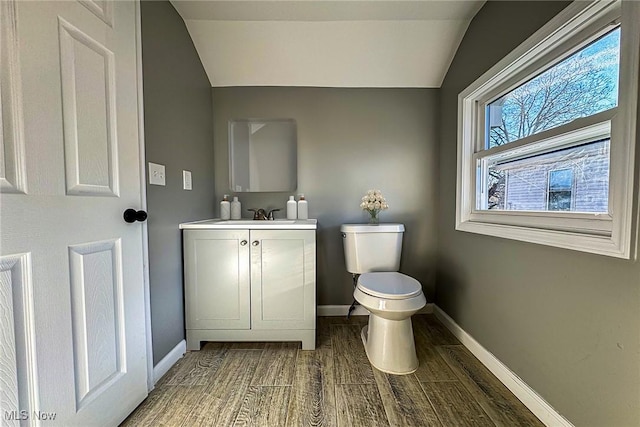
column 389, row 285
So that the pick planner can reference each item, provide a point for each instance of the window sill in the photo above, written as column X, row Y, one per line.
column 609, row 245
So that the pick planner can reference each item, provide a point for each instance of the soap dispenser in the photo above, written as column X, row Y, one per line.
column 236, row 208
column 303, row 208
column 225, row 208
column 292, row 208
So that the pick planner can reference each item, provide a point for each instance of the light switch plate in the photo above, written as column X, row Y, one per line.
column 186, row 180
column 156, row 174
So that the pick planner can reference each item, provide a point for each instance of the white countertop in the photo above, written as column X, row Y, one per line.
column 249, row 224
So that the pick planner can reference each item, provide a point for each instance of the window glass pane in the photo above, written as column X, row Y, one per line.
column 583, row 84
column 559, row 201
column 573, row 179
column 560, row 180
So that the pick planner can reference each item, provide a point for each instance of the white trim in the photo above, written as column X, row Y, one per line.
column 342, row 310
column 624, row 128
column 143, row 202
column 528, row 396
column 105, row 13
column 169, row 360
column 195, row 337
column 31, row 356
column 591, row 128
column 601, row 234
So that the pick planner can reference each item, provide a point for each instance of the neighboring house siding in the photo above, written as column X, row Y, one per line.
column 592, row 185
column 526, row 189
column 527, row 181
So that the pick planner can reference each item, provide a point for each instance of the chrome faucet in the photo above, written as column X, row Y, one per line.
column 258, row 214
column 261, row 214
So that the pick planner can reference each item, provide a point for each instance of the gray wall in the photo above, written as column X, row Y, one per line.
column 349, row 140
column 178, row 134
column 566, row 322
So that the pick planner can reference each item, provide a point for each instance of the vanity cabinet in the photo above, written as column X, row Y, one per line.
column 250, row 285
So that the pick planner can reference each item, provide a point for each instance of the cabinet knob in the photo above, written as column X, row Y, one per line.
column 243, row 243
column 255, row 243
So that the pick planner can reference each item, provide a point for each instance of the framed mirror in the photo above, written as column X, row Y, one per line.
column 263, row 155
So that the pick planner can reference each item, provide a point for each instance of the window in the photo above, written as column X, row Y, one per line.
column 581, row 85
column 546, row 137
column 560, row 190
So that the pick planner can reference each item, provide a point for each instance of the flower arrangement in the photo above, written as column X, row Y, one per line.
column 373, row 202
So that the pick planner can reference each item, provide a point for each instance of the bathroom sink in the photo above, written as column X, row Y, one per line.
column 238, row 222
column 248, row 224
column 253, row 222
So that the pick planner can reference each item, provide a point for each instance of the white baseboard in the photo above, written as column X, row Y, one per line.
column 342, row 310
column 532, row 400
column 169, row 360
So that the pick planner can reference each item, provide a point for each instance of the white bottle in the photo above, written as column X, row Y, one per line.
column 292, row 208
column 225, row 208
column 236, row 209
column 303, row 208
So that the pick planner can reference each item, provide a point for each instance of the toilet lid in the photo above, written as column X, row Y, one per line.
column 389, row 285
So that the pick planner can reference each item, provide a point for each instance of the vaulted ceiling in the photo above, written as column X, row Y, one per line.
column 327, row 43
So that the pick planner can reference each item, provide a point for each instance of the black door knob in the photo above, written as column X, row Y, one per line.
column 132, row 215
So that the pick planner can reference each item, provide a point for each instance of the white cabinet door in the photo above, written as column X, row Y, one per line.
column 217, row 279
column 283, row 274
column 72, row 329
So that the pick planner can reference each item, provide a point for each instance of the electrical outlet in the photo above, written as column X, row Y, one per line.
column 186, row 180
column 156, row 174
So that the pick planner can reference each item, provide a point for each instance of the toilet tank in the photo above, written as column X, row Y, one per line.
column 370, row 248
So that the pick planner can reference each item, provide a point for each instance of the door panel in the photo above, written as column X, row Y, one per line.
column 8, row 364
column 96, row 304
column 13, row 172
column 88, row 101
column 282, row 279
column 16, row 336
column 69, row 93
column 217, row 279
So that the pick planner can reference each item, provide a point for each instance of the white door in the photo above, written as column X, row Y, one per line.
column 72, row 330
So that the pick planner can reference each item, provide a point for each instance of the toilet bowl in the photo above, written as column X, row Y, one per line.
column 391, row 298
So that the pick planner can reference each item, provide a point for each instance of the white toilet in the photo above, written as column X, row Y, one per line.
column 373, row 252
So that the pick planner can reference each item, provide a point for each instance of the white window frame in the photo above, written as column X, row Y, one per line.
column 607, row 234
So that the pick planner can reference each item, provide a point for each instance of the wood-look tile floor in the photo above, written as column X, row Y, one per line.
column 278, row 384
